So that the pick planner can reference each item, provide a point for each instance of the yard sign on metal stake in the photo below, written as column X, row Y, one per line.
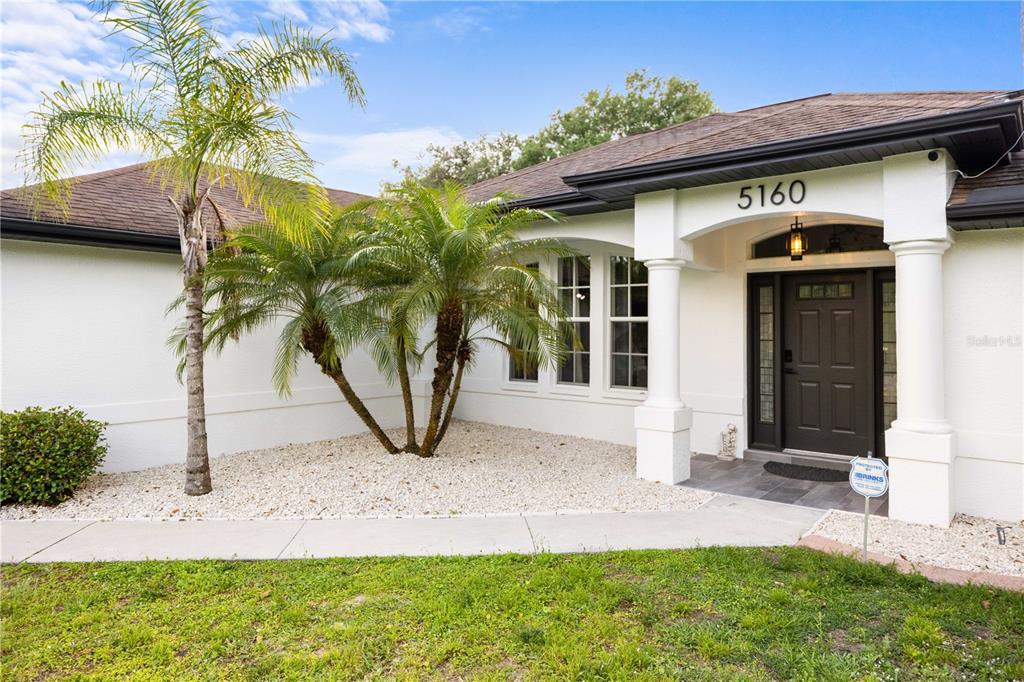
column 868, row 476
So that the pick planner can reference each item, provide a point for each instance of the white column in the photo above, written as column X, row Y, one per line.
column 663, row 421
column 663, row 333
column 920, row 443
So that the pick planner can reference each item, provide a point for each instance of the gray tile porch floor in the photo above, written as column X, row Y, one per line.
column 749, row 479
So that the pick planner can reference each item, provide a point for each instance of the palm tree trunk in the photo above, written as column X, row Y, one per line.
column 193, row 249
column 448, row 331
column 314, row 341
column 456, row 385
column 359, row 407
column 403, row 380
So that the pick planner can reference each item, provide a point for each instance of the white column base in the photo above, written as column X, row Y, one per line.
column 920, row 476
column 663, row 443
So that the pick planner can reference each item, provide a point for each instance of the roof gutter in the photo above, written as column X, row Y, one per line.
column 31, row 230
column 568, row 203
column 999, row 209
column 1005, row 213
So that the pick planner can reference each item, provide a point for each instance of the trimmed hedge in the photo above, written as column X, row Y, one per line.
column 46, row 454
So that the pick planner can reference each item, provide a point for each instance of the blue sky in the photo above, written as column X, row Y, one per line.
column 440, row 72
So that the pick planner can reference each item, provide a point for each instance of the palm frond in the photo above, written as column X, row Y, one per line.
column 286, row 355
column 76, row 125
column 251, row 144
column 171, row 43
column 288, row 57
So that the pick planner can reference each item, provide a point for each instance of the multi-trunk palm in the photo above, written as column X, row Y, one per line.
column 204, row 114
column 460, row 267
column 421, row 270
column 265, row 277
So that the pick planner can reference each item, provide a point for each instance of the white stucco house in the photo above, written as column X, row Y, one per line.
column 832, row 275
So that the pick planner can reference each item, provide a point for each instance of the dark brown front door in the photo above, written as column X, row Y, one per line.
column 826, row 361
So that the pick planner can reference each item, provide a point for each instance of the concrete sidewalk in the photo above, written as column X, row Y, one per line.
column 725, row 520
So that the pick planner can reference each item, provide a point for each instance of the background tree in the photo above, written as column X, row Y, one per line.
column 648, row 103
column 459, row 265
column 467, row 162
column 204, row 116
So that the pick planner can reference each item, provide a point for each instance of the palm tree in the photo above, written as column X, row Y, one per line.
column 460, row 265
column 204, row 116
column 266, row 275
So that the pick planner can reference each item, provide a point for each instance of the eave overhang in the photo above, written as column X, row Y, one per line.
column 989, row 208
column 570, row 203
column 974, row 137
column 85, row 235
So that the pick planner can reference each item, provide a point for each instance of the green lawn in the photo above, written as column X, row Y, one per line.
column 699, row 614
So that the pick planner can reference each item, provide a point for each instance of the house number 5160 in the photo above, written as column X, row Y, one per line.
column 763, row 195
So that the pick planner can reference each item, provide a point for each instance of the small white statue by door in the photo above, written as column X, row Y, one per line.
column 728, row 450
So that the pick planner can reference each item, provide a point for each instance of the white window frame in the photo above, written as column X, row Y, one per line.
column 612, row 318
column 574, row 286
column 516, row 383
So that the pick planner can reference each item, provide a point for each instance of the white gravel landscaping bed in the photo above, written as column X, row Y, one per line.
column 481, row 469
column 969, row 544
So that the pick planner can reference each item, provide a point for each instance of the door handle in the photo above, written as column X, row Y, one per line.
column 790, row 370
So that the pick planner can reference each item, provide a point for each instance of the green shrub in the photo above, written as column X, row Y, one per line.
column 46, row 454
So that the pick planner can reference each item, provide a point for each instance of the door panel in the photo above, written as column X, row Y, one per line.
column 826, row 388
column 843, row 408
column 809, row 347
column 810, row 406
column 842, row 338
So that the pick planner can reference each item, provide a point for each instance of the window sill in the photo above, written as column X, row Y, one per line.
column 632, row 394
column 577, row 390
column 521, row 386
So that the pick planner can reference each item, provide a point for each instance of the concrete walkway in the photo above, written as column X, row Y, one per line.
column 725, row 520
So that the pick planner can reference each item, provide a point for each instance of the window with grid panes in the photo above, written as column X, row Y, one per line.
column 522, row 366
column 628, row 284
column 574, row 295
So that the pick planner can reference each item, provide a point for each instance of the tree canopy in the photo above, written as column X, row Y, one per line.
column 648, row 103
column 388, row 271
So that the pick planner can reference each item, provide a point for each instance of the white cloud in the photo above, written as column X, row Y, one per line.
column 349, row 19
column 460, row 21
column 287, row 9
column 360, row 163
column 345, row 19
column 45, row 43
column 52, row 28
column 49, row 41
column 464, row 19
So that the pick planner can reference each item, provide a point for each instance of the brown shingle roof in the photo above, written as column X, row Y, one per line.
column 732, row 131
column 127, row 199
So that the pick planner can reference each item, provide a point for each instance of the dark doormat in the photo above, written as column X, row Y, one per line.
column 806, row 473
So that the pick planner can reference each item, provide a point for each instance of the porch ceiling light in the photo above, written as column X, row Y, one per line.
column 797, row 243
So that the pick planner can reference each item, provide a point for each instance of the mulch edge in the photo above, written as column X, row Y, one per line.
column 938, row 574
